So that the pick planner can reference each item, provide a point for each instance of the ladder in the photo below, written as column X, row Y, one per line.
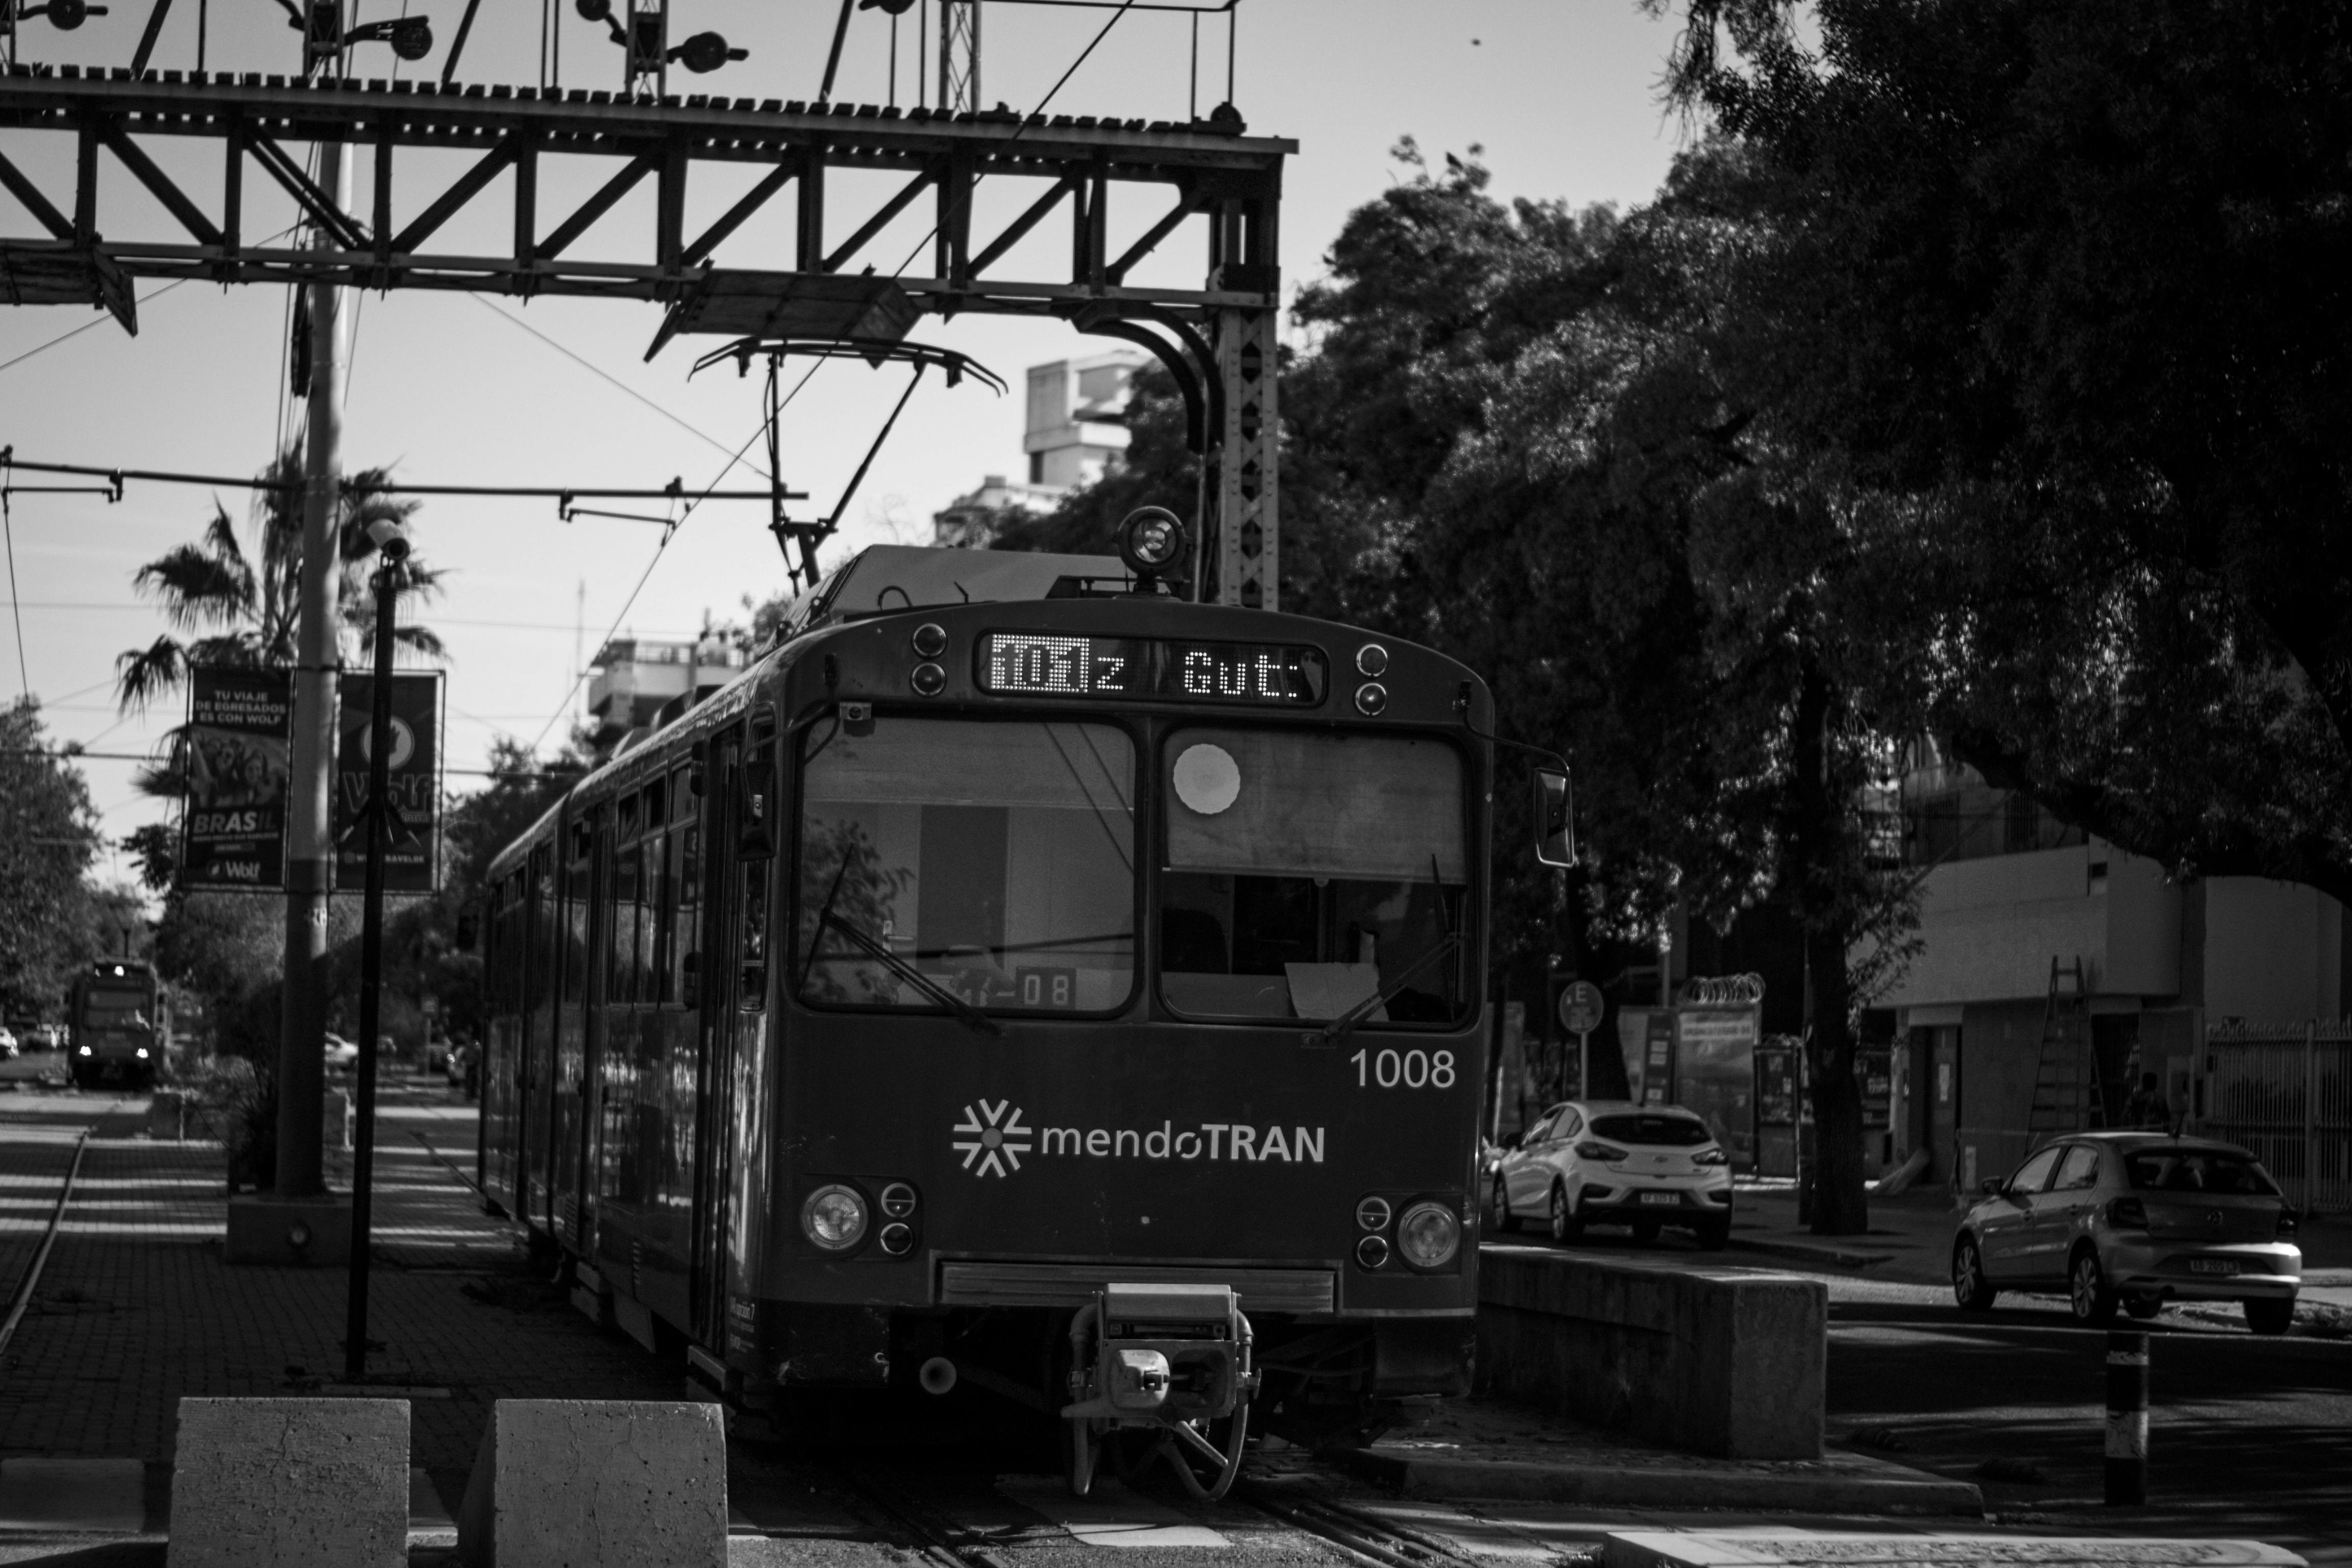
column 2066, row 1080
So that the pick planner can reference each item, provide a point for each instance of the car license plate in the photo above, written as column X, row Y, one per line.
column 2213, row 1266
column 1667, row 1200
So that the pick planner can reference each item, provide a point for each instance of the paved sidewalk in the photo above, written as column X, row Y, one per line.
column 136, row 1307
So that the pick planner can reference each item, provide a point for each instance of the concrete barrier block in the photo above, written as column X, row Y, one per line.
column 308, row 1483
column 165, row 1110
column 1706, row 1360
column 571, row 1483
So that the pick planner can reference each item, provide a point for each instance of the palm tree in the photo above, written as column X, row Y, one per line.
column 226, row 610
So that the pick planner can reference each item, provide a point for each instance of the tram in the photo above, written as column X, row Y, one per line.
column 1020, row 974
column 116, row 1024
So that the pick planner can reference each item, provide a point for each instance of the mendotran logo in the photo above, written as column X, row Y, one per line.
column 992, row 1138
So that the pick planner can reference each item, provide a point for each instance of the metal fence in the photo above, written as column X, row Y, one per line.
column 2285, row 1091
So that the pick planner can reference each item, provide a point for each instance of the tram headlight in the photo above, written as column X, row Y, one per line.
column 1371, row 1252
column 833, row 1217
column 1372, row 698
column 1429, row 1236
column 143, row 1053
column 84, row 1051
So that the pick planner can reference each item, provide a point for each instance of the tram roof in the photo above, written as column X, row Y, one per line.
column 884, row 578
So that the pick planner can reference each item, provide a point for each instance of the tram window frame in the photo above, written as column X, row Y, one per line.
column 1135, row 730
column 1172, row 731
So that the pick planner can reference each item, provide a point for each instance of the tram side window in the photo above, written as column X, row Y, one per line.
column 621, row 947
column 685, row 881
column 579, row 882
column 1309, row 873
column 992, row 861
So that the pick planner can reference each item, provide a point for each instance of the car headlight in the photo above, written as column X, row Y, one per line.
column 833, row 1217
column 1429, row 1236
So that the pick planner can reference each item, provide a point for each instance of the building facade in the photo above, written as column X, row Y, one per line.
column 636, row 678
column 2018, row 917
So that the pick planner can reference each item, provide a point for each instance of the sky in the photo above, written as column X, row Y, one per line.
column 449, row 388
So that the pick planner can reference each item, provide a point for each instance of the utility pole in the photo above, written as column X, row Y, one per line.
column 310, row 851
column 392, row 546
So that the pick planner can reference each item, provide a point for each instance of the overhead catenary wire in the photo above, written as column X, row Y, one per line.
column 702, row 435
column 674, row 491
column 669, row 533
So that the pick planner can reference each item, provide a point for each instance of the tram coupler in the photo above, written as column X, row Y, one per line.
column 1171, row 1358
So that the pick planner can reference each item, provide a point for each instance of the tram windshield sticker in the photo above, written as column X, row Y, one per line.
column 1160, row 669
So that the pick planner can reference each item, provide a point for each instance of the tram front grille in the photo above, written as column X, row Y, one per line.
column 967, row 1284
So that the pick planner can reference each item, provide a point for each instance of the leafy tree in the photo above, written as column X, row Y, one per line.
column 48, row 839
column 2057, row 292
column 239, row 609
column 1516, row 434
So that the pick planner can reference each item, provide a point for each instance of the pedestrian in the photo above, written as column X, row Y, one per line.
column 2149, row 1107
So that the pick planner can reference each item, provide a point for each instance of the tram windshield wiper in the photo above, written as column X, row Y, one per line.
column 1340, row 1027
column 971, row 1017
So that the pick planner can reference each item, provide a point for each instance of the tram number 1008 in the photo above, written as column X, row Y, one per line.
column 1403, row 1069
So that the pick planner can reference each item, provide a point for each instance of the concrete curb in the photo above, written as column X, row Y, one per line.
column 1660, row 1486
column 1805, row 1252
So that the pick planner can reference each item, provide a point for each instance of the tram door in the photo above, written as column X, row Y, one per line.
column 573, row 1120
column 720, row 875
column 535, row 1072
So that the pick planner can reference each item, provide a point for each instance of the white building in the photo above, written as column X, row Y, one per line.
column 1075, row 428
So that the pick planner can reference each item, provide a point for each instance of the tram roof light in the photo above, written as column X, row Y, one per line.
column 1429, row 1236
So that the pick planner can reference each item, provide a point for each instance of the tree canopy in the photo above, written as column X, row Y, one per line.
column 2058, row 294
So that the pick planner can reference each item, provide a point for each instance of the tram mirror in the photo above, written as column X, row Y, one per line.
column 1555, row 833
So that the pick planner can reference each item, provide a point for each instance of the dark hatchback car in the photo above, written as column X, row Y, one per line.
column 2133, row 1219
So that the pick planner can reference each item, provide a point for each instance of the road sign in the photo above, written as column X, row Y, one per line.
column 1580, row 1007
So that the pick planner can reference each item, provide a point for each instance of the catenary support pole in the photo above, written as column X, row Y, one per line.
column 2127, row 1418
column 309, row 866
column 387, row 599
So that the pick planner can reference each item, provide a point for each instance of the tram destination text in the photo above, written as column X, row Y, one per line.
column 1040, row 664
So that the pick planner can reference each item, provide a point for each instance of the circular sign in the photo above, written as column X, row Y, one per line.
column 1207, row 778
column 1580, row 1007
column 403, row 743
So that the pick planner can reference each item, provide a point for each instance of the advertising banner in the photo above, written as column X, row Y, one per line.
column 233, row 833
column 411, row 857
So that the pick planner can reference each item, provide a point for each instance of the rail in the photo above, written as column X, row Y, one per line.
column 24, row 1287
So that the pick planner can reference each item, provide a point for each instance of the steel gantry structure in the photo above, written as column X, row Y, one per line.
column 1217, row 341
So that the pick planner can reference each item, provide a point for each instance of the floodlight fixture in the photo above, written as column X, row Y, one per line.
column 64, row 15
column 706, row 52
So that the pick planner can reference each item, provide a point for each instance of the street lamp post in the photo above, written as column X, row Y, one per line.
column 391, row 547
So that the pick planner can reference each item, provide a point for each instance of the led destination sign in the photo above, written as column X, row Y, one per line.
column 1034, row 664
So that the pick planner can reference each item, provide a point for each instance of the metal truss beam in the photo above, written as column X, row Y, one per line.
column 1218, row 339
column 271, row 122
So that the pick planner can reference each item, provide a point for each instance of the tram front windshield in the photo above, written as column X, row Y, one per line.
column 1313, row 876
column 989, row 860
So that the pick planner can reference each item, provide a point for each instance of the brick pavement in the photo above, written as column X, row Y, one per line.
column 136, row 1309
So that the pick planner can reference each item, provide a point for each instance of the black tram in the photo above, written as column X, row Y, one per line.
column 1021, row 974
column 116, row 1024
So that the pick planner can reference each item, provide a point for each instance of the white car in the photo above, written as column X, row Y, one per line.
column 1616, row 1163
column 7, row 1043
column 341, row 1054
